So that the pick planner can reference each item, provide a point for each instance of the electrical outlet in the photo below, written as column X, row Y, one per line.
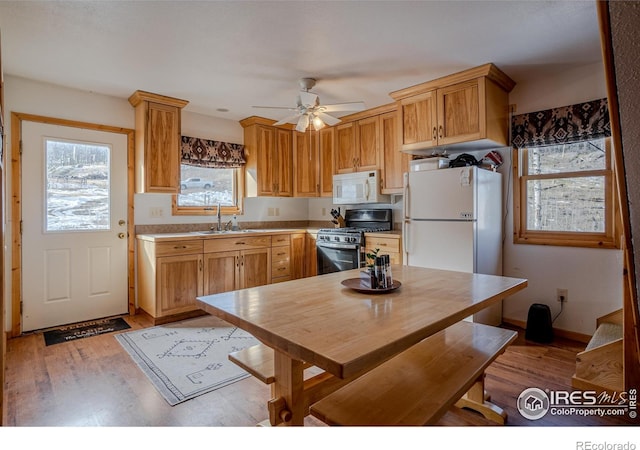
column 562, row 295
column 156, row 211
column 271, row 212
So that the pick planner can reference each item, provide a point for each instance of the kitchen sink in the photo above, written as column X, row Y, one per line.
column 223, row 231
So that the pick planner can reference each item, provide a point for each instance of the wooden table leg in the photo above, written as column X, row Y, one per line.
column 477, row 400
column 287, row 405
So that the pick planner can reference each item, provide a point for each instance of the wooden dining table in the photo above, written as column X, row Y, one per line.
column 320, row 322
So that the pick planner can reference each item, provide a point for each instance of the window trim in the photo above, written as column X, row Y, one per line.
column 239, row 183
column 521, row 235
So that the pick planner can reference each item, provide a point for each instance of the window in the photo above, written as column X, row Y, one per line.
column 77, row 193
column 211, row 173
column 564, row 194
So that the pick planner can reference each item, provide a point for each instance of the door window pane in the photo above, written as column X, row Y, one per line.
column 77, row 186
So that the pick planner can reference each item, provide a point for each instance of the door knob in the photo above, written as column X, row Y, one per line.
column 122, row 235
column 121, row 222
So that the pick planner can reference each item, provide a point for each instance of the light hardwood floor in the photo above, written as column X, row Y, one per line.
column 94, row 382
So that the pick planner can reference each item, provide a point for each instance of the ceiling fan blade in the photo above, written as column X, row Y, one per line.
column 326, row 118
column 308, row 99
column 289, row 119
column 352, row 106
column 303, row 123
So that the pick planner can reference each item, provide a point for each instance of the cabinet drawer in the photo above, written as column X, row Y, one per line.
column 384, row 244
column 239, row 243
column 280, row 262
column 178, row 248
column 280, row 240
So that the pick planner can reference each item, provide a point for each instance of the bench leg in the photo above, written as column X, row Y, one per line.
column 476, row 399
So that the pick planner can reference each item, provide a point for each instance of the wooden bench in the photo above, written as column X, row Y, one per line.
column 600, row 366
column 419, row 385
column 258, row 361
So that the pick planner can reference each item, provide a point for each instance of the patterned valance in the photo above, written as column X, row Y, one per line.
column 565, row 125
column 212, row 154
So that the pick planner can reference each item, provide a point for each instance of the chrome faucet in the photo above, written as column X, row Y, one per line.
column 219, row 216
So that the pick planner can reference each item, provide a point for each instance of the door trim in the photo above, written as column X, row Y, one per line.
column 16, row 206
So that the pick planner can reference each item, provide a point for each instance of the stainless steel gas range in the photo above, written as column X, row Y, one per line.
column 343, row 248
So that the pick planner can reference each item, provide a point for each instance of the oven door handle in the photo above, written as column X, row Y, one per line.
column 338, row 246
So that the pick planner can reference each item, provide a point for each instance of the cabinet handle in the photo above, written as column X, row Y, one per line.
column 242, row 262
column 280, row 254
column 200, row 265
column 435, row 135
column 440, row 132
column 239, row 243
column 179, row 246
column 282, row 268
column 237, row 261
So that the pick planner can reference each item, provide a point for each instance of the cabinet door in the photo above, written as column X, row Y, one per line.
column 179, row 282
column 459, row 117
column 298, row 243
column 255, row 267
column 345, row 148
column 310, row 256
column 162, row 148
column 367, row 156
column 221, row 272
column 394, row 162
column 306, row 164
column 419, row 125
column 267, row 160
column 283, row 167
column 326, row 143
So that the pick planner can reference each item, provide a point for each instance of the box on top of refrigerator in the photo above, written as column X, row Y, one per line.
column 418, row 165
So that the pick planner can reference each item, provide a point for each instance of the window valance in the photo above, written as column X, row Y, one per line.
column 564, row 125
column 211, row 154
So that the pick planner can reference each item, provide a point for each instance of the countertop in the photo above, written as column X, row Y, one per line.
column 188, row 235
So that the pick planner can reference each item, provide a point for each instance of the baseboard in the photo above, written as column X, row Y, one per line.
column 566, row 334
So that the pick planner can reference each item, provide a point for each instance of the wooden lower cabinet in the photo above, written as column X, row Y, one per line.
column 310, row 255
column 388, row 244
column 171, row 274
column 227, row 269
column 169, row 277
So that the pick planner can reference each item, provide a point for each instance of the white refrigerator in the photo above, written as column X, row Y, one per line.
column 453, row 221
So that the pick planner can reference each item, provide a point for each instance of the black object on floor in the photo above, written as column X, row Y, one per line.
column 539, row 327
column 84, row 330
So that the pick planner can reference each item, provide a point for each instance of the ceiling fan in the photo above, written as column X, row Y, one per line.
column 310, row 111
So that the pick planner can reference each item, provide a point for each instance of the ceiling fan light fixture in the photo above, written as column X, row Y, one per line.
column 317, row 122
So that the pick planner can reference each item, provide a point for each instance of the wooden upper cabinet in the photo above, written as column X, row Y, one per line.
column 269, row 152
column 394, row 162
column 157, row 142
column 345, row 147
column 468, row 109
column 326, row 141
column 418, row 115
column 368, row 144
column 306, row 164
column 357, row 147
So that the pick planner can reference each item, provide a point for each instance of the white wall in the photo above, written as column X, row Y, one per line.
column 592, row 276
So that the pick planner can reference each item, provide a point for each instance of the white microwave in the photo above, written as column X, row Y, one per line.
column 357, row 188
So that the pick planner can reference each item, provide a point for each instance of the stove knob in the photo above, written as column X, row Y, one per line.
column 337, row 238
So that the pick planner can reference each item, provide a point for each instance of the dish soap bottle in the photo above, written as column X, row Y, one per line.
column 234, row 223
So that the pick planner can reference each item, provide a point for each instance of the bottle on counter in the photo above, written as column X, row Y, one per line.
column 381, row 276
column 234, row 223
column 387, row 265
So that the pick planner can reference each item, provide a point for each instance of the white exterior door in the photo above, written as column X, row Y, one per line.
column 74, row 211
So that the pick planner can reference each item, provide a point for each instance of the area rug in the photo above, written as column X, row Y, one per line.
column 84, row 330
column 186, row 359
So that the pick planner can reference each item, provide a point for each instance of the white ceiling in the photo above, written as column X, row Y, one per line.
column 235, row 54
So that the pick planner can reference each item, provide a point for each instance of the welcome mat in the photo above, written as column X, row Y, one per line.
column 186, row 359
column 84, row 330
